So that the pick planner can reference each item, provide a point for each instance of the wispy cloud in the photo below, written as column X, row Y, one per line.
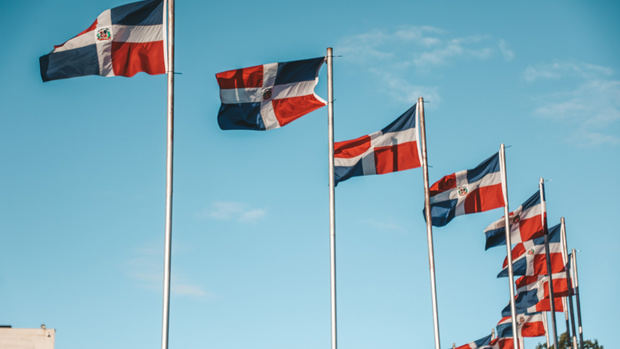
column 232, row 210
column 589, row 98
column 384, row 225
column 396, row 57
column 146, row 269
column 185, row 289
column 400, row 89
column 508, row 54
column 560, row 69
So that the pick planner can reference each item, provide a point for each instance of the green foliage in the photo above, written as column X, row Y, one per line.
column 565, row 343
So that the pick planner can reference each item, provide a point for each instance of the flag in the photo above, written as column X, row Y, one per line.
column 530, row 299
column 528, row 325
column 394, row 148
column 502, row 343
column 469, row 191
column 525, row 224
column 480, row 343
column 122, row 41
column 560, row 284
column 268, row 96
column 530, row 257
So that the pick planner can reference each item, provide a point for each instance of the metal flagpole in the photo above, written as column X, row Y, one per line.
column 513, row 310
column 332, row 192
column 169, row 157
column 429, row 223
column 541, row 186
column 569, row 334
column 569, row 299
column 565, row 306
column 577, row 297
column 544, row 313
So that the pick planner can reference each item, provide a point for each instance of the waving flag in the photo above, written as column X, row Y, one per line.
column 122, row 41
column 469, row 191
column 530, row 299
column 480, row 343
column 530, row 257
column 392, row 149
column 268, row 96
column 502, row 343
column 525, row 224
column 560, row 284
column 528, row 325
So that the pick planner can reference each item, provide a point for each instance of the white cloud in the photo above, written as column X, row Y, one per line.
column 146, row 269
column 252, row 215
column 384, row 225
column 403, row 91
column 597, row 138
column 184, row 289
column 589, row 99
column 225, row 210
column 559, row 69
column 231, row 210
column 395, row 57
column 420, row 46
column 508, row 54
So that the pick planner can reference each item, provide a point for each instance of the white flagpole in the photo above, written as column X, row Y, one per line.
column 566, row 317
column 544, row 313
column 169, row 157
column 577, row 297
column 332, row 195
column 429, row 225
column 513, row 310
column 543, row 199
column 568, row 299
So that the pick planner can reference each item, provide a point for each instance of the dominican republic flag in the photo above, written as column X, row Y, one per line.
column 530, row 257
column 268, row 96
column 530, row 299
column 394, row 148
column 561, row 287
column 480, row 343
column 469, row 191
column 122, row 41
column 526, row 223
column 528, row 325
column 502, row 343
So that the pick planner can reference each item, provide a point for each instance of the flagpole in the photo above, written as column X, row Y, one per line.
column 569, row 299
column 566, row 317
column 429, row 223
column 541, row 187
column 513, row 309
column 577, row 297
column 169, row 157
column 544, row 313
column 332, row 195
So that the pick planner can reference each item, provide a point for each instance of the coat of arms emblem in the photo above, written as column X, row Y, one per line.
column 516, row 219
column 462, row 190
column 104, row 34
column 267, row 94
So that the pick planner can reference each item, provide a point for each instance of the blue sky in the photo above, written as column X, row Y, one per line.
column 82, row 206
